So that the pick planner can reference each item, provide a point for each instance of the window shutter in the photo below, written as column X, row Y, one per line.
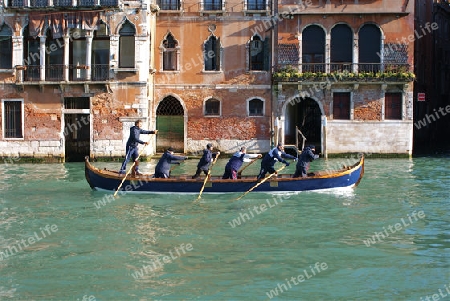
column 267, row 54
column 217, row 54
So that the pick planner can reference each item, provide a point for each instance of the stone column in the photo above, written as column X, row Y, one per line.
column 66, row 58
column 42, row 57
column 88, row 54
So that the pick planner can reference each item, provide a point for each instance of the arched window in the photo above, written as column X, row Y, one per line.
column 212, row 107
column 54, row 57
column 255, row 107
column 313, row 48
column 170, row 53
column 369, row 48
column 212, row 54
column 100, row 53
column 126, row 45
column 5, row 47
column 259, row 53
column 341, row 48
column 31, row 56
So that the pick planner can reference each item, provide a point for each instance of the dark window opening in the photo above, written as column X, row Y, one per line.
column 12, row 119
column 5, row 47
column 369, row 45
column 256, row 5
column 170, row 53
column 313, row 49
column 256, row 107
column 212, row 107
column 341, row 105
column 212, row 54
column 212, row 5
column 341, row 48
column 257, row 53
column 126, row 45
column 169, row 4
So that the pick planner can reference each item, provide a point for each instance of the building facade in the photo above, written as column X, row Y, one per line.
column 344, row 78
column 213, row 75
column 251, row 73
column 75, row 76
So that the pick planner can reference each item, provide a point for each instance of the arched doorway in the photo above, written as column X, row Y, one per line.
column 170, row 125
column 305, row 115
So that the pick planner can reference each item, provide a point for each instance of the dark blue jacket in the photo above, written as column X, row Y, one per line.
column 273, row 156
column 306, row 156
column 135, row 132
column 206, row 159
column 235, row 161
column 163, row 165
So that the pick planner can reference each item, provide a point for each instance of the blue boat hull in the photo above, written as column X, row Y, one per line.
column 109, row 180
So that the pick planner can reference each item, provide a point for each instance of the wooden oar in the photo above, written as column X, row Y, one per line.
column 207, row 176
column 129, row 170
column 240, row 172
column 262, row 181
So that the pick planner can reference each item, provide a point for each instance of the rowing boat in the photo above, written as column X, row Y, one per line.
column 103, row 179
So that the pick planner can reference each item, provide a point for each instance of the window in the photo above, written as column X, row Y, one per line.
column 170, row 53
column 341, row 105
column 77, row 54
column 126, row 45
column 256, row 4
column 369, row 45
column 393, row 106
column 5, row 47
column 341, row 48
column 212, row 107
column 256, row 107
column 169, row 4
column 212, row 54
column 313, row 45
column 32, row 57
column 212, row 5
column 54, row 58
column 100, row 53
column 12, row 118
column 259, row 53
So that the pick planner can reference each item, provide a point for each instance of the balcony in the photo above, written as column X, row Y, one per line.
column 344, row 72
column 60, row 3
column 56, row 73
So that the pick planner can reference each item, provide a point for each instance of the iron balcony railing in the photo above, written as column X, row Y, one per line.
column 56, row 73
column 347, row 71
column 169, row 4
column 60, row 3
column 213, row 5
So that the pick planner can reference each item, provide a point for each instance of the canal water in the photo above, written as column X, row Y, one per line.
column 387, row 239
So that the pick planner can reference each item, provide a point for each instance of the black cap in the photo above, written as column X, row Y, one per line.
column 170, row 149
column 209, row 145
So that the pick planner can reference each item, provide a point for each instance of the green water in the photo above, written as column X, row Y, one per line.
column 194, row 250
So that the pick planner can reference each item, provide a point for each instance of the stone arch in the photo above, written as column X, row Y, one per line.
column 171, row 120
